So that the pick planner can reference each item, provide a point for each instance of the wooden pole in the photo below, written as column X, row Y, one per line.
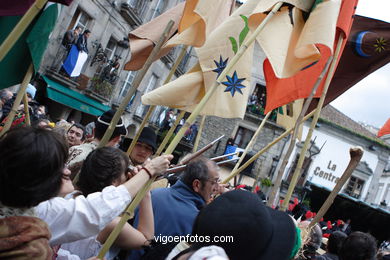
column 18, row 99
column 221, row 77
column 278, row 181
column 170, row 132
column 199, row 134
column 302, row 156
column 178, row 137
column 152, row 108
column 250, row 144
column 22, row 25
column 138, row 78
column 257, row 155
column 26, row 111
column 356, row 155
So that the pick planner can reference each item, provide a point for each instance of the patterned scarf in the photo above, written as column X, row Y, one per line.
column 23, row 236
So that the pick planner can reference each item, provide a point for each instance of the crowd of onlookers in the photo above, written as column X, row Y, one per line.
column 62, row 194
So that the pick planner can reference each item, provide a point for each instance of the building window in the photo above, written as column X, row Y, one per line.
column 354, row 187
column 110, row 48
column 386, row 196
column 81, row 19
column 142, row 109
column 243, row 136
column 126, row 87
column 158, row 9
column 138, row 5
column 379, row 193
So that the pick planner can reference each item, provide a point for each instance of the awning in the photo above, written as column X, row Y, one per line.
column 73, row 99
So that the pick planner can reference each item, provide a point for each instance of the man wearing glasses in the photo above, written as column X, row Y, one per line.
column 175, row 208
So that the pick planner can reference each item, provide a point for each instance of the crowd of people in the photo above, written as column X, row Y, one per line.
column 61, row 195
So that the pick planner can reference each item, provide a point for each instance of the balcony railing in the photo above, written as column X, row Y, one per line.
column 257, row 109
column 132, row 13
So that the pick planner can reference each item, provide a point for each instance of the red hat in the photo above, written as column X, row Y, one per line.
column 329, row 224
column 296, row 201
column 309, row 214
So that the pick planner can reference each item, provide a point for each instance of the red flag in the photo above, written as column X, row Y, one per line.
column 20, row 7
column 286, row 90
column 385, row 130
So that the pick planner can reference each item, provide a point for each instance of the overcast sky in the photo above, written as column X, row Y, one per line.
column 369, row 100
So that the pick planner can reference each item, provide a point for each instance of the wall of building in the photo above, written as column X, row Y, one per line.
column 330, row 163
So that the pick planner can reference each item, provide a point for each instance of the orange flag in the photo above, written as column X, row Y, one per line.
column 282, row 91
column 385, row 130
column 194, row 20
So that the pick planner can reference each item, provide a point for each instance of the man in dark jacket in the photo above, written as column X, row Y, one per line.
column 70, row 37
column 82, row 42
column 176, row 208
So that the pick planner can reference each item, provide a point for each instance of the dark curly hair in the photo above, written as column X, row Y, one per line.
column 32, row 161
column 101, row 168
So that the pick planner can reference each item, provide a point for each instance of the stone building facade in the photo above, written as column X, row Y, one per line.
column 109, row 21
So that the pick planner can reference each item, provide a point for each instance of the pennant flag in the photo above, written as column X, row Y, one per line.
column 30, row 46
column 143, row 39
column 332, row 17
column 74, row 63
column 193, row 19
column 366, row 50
column 20, row 7
column 385, row 130
column 231, row 97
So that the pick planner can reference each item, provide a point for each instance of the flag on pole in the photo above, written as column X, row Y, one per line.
column 385, row 130
column 193, row 19
column 74, row 63
column 29, row 48
column 282, row 91
column 20, row 7
column 366, row 50
column 231, row 97
column 143, row 39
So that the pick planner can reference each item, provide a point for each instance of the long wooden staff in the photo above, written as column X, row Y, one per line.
column 295, row 133
column 170, row 132
column 356, row 154
column 153, row 107
column 22, row 25
column 257, row 155
column 18, row 99
column 114, row 234
column 137, row 80
column 302, row 156
column 221, row 77
column 26, row 111
column 199, row 134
